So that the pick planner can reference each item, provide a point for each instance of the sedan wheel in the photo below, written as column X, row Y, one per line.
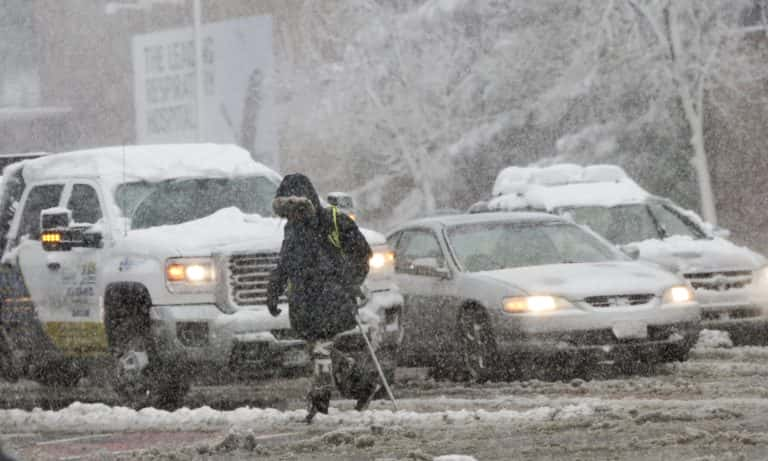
column 477, row 345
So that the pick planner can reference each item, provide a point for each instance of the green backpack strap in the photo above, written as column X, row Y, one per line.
column 335, row 235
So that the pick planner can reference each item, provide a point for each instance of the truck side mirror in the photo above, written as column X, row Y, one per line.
column 631, row 251
column 55, row 218
column 57, row 233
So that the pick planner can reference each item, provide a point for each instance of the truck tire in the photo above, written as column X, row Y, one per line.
column 140, row 377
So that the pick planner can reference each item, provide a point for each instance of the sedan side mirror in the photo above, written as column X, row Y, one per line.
column 631, row 251
column 430, row 267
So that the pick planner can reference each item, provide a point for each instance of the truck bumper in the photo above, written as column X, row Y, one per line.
column 746, row 322
column 252, row 341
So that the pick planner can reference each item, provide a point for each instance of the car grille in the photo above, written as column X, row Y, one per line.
column 732, row 314
column 720, row 281
column 619, row 300
column 249, row 277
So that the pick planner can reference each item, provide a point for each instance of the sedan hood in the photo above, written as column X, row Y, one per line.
column 578, row 281
column 687, row 255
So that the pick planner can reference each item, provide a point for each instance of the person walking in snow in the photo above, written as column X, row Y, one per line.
column 323, row 263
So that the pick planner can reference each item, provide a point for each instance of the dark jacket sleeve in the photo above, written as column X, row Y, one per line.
column 357, row 252
column 278, row 280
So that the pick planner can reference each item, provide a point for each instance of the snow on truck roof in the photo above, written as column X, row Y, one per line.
column 150, row 163
column 564, row 185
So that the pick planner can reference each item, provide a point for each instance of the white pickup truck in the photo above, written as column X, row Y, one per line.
column 157, row 258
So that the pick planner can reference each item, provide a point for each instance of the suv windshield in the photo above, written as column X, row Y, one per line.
column 634, row 223
column 181, row 200
column 490, row 246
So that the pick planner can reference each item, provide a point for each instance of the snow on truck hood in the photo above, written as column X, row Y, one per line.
column 577, row 281
column 688, row 255
column 227, row 231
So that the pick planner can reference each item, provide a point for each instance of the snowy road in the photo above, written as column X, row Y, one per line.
column 712, row 407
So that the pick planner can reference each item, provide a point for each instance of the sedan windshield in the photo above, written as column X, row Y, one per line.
column 634, row 223
column 490, row 246
column 181, row 200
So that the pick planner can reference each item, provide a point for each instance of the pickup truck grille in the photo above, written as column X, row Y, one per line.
column 720, row 281
column 249, row 277
column 619, row 300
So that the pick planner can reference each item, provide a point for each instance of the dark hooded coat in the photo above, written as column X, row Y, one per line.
column 321, row 278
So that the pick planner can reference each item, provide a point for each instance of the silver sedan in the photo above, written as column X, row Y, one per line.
column 498, row 293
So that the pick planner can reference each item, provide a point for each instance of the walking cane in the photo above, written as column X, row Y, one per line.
column 363, row 301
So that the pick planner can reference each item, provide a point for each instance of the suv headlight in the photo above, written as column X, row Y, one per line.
column 679, row 294
column 534, row 304
column 382, row 262
column 190, row 275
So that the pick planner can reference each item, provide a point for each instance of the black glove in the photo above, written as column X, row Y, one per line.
column 272, row 302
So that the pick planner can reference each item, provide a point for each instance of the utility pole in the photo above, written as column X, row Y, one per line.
column 199, row 90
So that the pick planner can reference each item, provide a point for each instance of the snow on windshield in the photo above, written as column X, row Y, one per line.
column 178, row 201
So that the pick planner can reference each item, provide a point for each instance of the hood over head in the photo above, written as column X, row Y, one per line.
column 296, row 197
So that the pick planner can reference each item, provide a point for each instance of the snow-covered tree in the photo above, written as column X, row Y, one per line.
column 427, row 88
column 675, row 52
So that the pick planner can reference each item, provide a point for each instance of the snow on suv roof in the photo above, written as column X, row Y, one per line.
column 564, row 185
column 147, row 162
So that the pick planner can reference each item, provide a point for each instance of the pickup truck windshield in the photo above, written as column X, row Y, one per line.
column 490, row 246
column 181, row 200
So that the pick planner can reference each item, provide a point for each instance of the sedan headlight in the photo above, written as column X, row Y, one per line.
column 190, row 275
column 679, row 294
column 534, row 304
column 382, row 261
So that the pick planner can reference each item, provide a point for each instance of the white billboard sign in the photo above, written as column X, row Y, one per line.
column 237, row 86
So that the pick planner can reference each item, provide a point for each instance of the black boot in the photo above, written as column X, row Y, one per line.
column 365, row 400
column 318, row 401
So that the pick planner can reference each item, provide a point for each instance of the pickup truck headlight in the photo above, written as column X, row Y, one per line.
column 679, row 294
column 534, row 304
column 382, row 261
column 190, row 275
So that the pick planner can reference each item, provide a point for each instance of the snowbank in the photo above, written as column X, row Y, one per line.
column 80, row 417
